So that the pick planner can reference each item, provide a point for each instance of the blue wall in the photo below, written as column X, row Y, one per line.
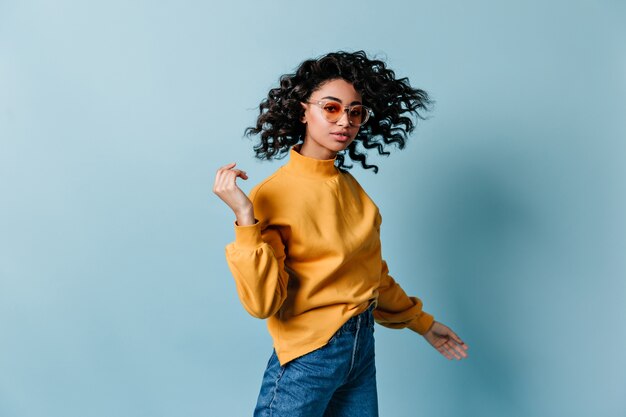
column 505, row 214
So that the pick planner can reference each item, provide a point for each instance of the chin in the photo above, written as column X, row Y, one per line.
column 343, row 146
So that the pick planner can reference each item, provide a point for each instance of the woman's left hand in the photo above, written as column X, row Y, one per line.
column 446, row 341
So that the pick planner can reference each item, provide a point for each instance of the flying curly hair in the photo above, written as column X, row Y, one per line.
column 396, row 106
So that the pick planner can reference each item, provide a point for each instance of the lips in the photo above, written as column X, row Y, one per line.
column 341, row 136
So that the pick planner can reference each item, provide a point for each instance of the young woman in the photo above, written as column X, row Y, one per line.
column 307, row 252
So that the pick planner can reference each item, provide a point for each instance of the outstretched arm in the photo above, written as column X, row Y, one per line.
column 397, row 310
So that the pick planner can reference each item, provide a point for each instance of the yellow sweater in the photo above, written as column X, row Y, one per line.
column 313, row 259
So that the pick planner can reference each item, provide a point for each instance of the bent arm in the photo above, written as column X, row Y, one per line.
column 257, row 261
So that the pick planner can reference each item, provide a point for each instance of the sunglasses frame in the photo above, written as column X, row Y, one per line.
column 346, row 109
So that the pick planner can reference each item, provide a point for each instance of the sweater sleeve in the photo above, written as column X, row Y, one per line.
column 396, row 309
column 256, row 259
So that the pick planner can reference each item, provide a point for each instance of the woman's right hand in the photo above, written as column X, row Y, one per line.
column 225, row 187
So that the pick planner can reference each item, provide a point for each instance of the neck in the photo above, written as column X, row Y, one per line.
column 310, row 167
column 316, row 152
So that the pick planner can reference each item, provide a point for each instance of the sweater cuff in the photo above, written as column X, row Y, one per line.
column 422, row 323
column 248, row 236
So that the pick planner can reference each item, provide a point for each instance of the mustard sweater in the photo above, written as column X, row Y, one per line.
column 313, row 259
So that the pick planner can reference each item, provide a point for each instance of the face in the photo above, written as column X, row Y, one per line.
column 323, row 139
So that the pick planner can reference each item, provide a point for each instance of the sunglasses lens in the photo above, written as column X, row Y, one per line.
column 357, row 115
column 332, row 111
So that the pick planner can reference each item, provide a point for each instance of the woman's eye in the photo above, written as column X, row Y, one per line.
column 356, row 112
column 332, row 108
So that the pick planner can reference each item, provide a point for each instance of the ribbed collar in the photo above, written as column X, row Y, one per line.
column 310, row 167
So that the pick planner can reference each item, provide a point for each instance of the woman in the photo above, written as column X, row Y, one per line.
column 307, row 253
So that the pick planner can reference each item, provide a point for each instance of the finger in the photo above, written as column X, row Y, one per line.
column 222, row 178
column 458, row 349
column 456, row 338
column 453, row 351
column 227, row 166
column 225, row 180
column 444, row 352
column 441, row 347
column 237, row 173
column 448, row 347
column 228, row 181
column 219, row 175
column 461, row 349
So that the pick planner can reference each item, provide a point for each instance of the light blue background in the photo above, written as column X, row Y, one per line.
column 505, row 214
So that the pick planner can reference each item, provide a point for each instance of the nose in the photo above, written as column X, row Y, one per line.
column 344, row 120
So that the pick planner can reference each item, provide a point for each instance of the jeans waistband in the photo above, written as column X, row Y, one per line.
column 365, row 319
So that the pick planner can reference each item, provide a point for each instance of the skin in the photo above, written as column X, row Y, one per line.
column 323, row 140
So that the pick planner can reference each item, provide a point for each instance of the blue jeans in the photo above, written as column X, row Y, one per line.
column 336, row 380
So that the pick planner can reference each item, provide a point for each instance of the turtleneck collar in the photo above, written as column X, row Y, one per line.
column 310, row 167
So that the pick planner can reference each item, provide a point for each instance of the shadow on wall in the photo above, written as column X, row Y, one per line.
column 479, row 227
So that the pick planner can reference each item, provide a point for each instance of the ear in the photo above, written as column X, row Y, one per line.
column 303, row 117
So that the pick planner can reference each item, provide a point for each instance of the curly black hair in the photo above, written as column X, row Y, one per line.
column 392, row 100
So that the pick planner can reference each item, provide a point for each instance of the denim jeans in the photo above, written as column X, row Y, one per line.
column 336, row 380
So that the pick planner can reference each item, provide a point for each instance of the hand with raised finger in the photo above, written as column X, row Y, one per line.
column 226, row 188
column 446, row 341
